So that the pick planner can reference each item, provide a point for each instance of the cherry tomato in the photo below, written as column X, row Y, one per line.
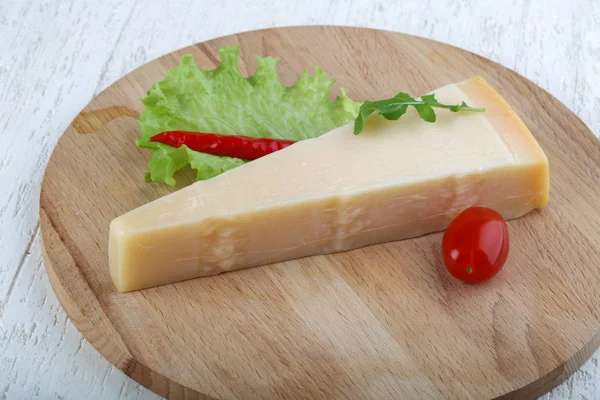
column 475, row 245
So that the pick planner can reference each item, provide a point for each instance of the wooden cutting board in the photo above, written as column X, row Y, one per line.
column 381, row 322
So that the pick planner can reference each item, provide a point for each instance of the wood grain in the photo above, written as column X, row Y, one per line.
column 56, row 55
column 322, row 326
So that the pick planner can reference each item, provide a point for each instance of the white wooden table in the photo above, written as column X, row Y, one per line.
column 56, row 55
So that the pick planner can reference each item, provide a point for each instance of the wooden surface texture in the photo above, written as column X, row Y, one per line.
column 385, row 321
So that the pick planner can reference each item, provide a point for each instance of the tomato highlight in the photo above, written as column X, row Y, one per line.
column 475, row 244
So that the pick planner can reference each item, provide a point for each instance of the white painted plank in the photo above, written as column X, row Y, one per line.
column 56, row 55
column 42, row 355
column 51, row 58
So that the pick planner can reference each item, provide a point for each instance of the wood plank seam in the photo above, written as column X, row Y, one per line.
column 114, row 47
column 21, row 263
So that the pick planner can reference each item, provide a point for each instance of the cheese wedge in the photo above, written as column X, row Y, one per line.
column 396, row 180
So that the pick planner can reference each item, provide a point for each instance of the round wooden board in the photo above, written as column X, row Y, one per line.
column 383, row 321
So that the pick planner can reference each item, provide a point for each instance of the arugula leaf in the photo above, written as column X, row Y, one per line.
column 223, row 101
column 394, row 108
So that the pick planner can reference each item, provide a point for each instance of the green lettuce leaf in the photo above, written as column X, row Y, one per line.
column 223, row 101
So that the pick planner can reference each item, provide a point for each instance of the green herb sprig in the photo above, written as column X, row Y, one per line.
column 392, row 109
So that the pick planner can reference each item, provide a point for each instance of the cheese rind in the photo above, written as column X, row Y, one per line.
column 394, row 181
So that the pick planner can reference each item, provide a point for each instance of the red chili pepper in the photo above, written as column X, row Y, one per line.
column 245, row 147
